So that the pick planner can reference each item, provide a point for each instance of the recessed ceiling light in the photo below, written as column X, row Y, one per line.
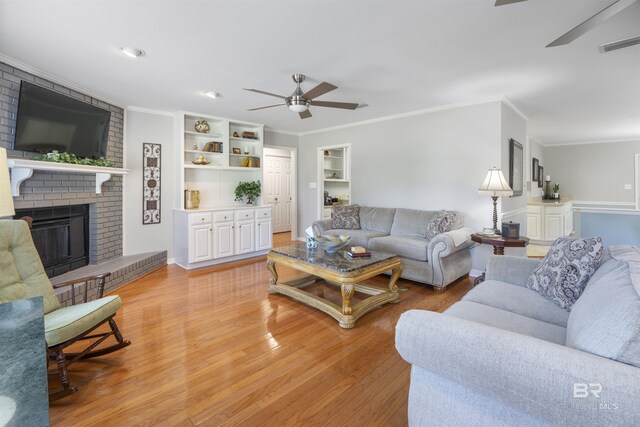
column 132, row 52
column 211, row 94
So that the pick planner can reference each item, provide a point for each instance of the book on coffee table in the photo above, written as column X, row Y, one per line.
column 359, row 254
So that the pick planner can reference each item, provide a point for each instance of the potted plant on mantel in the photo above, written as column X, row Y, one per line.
column 249, row 190
column 556, row 191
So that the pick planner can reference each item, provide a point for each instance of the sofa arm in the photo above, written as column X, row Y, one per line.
column 321, row 226
column 444, row 244
column 511, row 269
column 554, row 383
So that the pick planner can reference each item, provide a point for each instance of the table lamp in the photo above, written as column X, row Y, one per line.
column 6, row 198
column 495, row 185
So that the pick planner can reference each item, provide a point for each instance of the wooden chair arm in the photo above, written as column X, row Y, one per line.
column 101, row 278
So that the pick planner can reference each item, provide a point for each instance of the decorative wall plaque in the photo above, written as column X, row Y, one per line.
column 151, row 183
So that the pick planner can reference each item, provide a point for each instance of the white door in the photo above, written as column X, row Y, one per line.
column 278, row 188
column 244, row 237
column 223, row 242
column 200, row 243
column 263, row 234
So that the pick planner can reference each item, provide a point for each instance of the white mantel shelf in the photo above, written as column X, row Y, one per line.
column 22, row 169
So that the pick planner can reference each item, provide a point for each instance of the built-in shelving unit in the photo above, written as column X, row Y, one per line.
column 230, row 159
column 334, row 167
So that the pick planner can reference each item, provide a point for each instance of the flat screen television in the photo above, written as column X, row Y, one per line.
column 49, row 120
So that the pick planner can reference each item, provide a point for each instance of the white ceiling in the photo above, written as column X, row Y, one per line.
column 395, row 56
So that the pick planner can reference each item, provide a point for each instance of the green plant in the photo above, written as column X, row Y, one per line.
column 249, row 190
column 556, row 188
column 57, row 157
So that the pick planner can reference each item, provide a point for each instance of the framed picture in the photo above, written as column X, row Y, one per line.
column 535, row 164
column 515, row 167
column 236, row 151
column 540, row 176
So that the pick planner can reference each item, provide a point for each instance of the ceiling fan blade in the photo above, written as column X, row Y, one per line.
column 321, row 89
column 265, row 93
column 305, row 114
column 266, row 106
column 505, row 2
column 343, row 105
column 592, row 22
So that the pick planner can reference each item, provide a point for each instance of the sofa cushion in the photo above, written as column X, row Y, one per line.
column 405, row 247
column 410, row 223
column 518, row 300
column 346, row 217
column 566, row 269
column 441, row 222
column 358, row 237
column 606, row 318
column 377, row 219
column 69, row 322
column 508, row 321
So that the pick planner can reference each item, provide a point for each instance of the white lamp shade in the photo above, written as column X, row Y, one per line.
column 6, row 198
column 495, row 185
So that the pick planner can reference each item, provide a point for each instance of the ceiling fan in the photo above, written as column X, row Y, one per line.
column 606, row 13
column 300, row 101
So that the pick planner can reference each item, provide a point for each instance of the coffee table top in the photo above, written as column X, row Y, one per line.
column 340, row 261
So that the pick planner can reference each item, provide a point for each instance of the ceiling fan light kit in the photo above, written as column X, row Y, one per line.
column 300, row 101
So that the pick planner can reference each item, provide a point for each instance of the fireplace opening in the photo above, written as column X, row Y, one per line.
column 61, row 236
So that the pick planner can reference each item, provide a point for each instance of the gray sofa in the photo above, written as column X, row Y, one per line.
column 506, row 356
column 437, row 261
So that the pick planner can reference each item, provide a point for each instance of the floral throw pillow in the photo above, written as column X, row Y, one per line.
column 346, row 217
column 565, row 271
column 441, row 222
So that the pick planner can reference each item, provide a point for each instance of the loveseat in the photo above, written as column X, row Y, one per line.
column 437, row 261
column 505, row 355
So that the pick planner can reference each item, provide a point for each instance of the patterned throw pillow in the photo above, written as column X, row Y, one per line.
column 441, row 222
column 346, row 217
column 565, row 271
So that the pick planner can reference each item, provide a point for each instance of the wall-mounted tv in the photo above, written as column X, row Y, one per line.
column 49, row 120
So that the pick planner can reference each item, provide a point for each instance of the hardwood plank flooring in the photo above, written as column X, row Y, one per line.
column 211, row 347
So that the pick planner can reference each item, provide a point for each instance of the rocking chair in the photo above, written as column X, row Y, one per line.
column 22, row 276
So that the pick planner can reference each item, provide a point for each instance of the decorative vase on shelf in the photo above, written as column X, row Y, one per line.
column 202, row 126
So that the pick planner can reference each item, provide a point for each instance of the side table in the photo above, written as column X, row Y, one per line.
column 499, row 243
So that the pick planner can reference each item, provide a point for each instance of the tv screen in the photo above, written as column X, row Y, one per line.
column 48, row 121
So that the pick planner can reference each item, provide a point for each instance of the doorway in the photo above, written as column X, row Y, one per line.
column 279, row 187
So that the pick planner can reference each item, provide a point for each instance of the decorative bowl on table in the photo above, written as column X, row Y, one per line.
column 332, row 244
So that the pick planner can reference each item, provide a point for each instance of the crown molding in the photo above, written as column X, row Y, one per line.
column 607, row 141
column 283, row 132
column 515, row 109
column 56, row 79
column 149, row 111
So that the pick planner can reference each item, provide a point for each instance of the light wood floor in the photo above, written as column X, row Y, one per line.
column 211, row 347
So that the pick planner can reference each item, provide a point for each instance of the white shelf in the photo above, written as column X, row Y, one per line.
column 333, row 157
column 335, row 169
column 335, row 180
column 242, row 155
column 235, row 138
column 208, row 135
column 21, row 169
column 215, row 167
column 202, row 152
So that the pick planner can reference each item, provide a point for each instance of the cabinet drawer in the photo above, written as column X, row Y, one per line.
column 263, row 213
column 533, row 209
column 223, row 216
column 245, row 214
column 200, row 218
column 554, row 210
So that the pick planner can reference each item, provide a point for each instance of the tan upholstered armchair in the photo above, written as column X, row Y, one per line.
column 22, row 276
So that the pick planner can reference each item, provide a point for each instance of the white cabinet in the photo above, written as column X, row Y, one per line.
column 546, row 221
column 334, row 169
column 213, row 236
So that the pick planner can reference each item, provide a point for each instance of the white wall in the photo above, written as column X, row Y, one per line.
column 155, row 128
column 535, row 150
column 428, row 161
column 594, row 172
column 281, row 139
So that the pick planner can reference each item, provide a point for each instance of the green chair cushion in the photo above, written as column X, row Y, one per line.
column 21, row 272
column 68, row 322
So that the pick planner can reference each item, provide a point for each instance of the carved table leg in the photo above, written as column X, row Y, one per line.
column 274, row 276
column 347, row 292
column 395, row 275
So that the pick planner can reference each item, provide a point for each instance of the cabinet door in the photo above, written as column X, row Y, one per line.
column 244, row 237
column 533, row 227
column 223, row 241
column 553, row 226
column 200, row 243
column 263, row 234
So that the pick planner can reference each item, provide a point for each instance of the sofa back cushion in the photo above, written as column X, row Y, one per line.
column 377, row 219
column 606, row 319
column 411, row 223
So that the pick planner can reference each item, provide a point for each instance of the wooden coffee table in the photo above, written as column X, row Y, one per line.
column 336, row 269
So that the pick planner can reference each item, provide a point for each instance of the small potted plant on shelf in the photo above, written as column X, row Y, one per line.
column 556, row 191
column 249, row 190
